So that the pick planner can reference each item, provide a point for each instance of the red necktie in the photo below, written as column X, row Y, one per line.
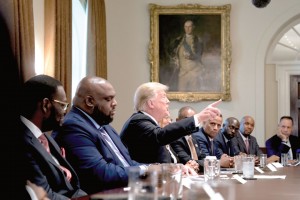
column 45, row 143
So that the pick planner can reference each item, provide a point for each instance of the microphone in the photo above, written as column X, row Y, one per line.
column 260, row 3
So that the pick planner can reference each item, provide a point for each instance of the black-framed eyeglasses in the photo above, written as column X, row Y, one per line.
column 65, row 105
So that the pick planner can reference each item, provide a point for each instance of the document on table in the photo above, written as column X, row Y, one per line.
column 270, row 176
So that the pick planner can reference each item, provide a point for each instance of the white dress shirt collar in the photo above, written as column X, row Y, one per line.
column 150, row 117
column 31, row 126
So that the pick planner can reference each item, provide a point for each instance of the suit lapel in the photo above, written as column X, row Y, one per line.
column 224, row 144
column 242, row 144
column 38, row 146
column 56, row 152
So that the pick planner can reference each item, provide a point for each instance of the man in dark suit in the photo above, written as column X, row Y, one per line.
column 229, row 130
column 283, row 141
column 93, row 147
column 244, row 142
column 205, row 138
column 141, row 133
column 43, row 107
column 188, row 150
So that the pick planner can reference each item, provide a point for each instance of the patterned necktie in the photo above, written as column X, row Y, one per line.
column 45, row 144
column 192, row 148
column 212, row 147
column 112, row 145
column 247, row 145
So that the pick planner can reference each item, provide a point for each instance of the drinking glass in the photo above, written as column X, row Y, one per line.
column 263, row 160
column 142, row 186
column 248, row 166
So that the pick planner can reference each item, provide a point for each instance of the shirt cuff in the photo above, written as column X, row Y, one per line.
column 197, row 123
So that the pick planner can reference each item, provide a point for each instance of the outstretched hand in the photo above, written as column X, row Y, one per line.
column 210, row 112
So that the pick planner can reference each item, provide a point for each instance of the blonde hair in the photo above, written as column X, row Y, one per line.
column 145, row 92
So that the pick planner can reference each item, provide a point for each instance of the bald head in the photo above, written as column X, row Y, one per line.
column 230, row 127
column 185, row 112
column 96, row 96
column 87, row 87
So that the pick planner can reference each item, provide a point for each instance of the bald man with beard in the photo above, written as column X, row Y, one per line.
column 92, row 145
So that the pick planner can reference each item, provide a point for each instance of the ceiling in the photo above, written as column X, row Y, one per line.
column 288, row 47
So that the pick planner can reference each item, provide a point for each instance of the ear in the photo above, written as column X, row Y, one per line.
column 150, row 103
column 46, row 105
column 89, row 101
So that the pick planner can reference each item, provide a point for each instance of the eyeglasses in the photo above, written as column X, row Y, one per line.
column 64, row 104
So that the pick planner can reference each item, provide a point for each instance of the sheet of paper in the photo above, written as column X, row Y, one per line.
column 270, row 176
column 186, row 181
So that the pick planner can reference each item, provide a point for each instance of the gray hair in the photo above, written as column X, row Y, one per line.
column 145, row 92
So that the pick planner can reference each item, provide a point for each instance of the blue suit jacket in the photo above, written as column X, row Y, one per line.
column 239, row 145
column 274, row 146
column 97, row 165
column 204, row 143
column 145, row 140
column 45, row 172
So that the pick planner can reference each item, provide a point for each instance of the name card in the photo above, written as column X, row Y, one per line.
column 277, row 164
column 271, row 167
column 239, row 179
column 259, row 170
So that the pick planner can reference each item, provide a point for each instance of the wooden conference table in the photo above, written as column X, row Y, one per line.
column 273, row 189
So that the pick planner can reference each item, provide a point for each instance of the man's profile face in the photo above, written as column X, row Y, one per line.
column 161, row 105
column 56, row 117
column 188, row 27
column 105, row 106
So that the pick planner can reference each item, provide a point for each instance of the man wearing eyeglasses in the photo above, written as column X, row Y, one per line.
column 43, row 108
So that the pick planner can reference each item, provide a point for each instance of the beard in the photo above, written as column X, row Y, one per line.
column 100, row 117
column 51, row 123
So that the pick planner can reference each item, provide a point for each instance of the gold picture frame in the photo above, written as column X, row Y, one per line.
column 194, row 69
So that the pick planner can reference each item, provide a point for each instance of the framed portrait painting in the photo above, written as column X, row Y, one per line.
column 190, row 51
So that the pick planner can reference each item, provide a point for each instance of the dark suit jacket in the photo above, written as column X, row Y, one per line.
column 222, row 145
column 203, row 141
column 45, row 172
column 239, row 145
column 97, row 165
column 145, row 139
column 274, row 146
column 182, row 149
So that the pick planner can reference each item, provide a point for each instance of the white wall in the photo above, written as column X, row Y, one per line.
column 251, row 32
